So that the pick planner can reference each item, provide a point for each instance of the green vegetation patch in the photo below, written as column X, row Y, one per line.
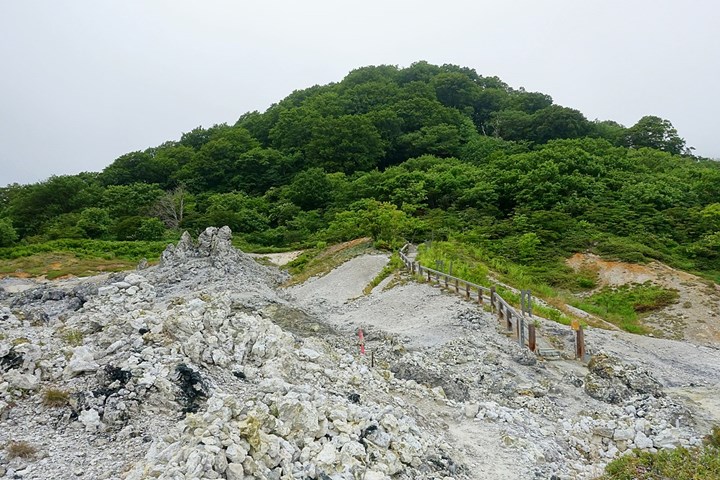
column 393, row 265
column 319, row 261
column 702, row 463
column 625, row 305
column 54, row 398
column 473, row 263
column 89, row 249
column 80, row 258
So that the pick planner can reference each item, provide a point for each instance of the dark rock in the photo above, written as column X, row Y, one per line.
column 192, row 388
column 116, row 374
column 85, row 292
column 53, row 295
column 11, row 360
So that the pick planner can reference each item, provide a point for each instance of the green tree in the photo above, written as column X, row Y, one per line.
column 310, row 189
column 31, row 206
column 150, row 229
column 655, row 132
column 380, row 220
column 455, row 90
column 8, row 235
column 130, row 200
column 95, row 222
column 345, row 144
column 214, row 166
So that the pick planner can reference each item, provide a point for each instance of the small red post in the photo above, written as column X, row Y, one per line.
column 362, row 341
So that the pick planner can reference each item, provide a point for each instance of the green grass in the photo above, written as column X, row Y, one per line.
column 551, row 281
column 319, row 261
column 625, row 305
column 89, row 249
column 72, row 337
column 54, row 398
column 394, row 264
column 701, row 463
column 474, row 264
column 78, row 257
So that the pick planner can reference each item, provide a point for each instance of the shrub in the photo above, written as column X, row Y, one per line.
column 20, row 450
column 621, row 305
column 8, row 235
column 72, row 337
column 55, row 398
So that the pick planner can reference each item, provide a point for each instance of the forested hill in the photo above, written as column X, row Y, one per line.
column 418, row 152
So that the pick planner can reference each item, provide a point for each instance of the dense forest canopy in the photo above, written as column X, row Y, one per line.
column 399, row 153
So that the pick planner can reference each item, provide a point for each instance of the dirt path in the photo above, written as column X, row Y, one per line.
column 342, row 284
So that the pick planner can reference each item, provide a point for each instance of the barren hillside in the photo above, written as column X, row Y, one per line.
column 204, row 368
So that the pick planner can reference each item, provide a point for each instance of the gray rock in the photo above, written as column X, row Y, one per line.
column 470, row 410
column 23, row 381
column 235, row 471
column 624, row 434
column 642, row 441
column 82, row 361
column 668, row 438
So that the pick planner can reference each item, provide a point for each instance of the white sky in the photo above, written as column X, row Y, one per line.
column 84, row 81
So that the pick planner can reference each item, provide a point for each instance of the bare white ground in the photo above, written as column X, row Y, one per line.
column 421, row 315
column 340, row 285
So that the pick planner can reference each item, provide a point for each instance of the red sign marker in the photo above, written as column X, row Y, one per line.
column 362, row 341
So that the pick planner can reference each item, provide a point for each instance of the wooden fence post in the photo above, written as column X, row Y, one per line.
column 492, row 297
column 467, row 291
column 446, row 279
column 457, row 286
column 508, row 319
column 480, row 297
column 531, row 337
column 580, row 343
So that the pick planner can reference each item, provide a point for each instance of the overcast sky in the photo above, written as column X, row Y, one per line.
column 84, row 81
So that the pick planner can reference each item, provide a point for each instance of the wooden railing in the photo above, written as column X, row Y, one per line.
column 516, row 323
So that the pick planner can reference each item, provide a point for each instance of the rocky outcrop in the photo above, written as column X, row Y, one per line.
column 613, row 381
